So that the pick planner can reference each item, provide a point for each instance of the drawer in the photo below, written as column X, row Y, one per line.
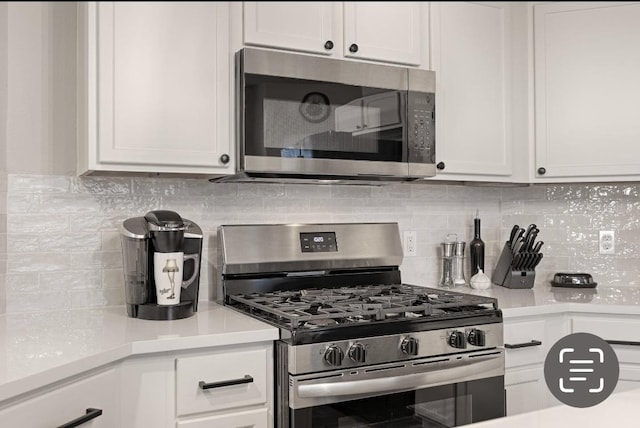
column 68, row 403
column 622, row 333
column 619, row 329
column 525, row 343
column 222, row 380
column 258, row 418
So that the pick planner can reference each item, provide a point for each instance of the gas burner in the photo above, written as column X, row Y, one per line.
column 319, row 323
column 326, row 307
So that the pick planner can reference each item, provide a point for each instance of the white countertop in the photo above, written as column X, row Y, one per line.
column 38, row 349
column 41, row 348
column 543, row 299
column 615, row 411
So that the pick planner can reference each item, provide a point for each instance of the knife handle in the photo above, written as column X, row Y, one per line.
column 538, row 246
column 512, row 235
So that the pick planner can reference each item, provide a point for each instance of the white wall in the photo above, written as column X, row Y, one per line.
column 61, row 231
column 41, row 87
column 3, row 151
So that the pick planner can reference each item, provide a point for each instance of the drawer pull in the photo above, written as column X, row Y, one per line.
column 245, row 379
column 91, row 414
column 523, row 345
column 622, row 342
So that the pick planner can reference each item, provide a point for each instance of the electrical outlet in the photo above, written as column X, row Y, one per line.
column 607, row 242
column 410, row 243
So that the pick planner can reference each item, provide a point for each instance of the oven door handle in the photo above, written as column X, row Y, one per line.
column 460, row 371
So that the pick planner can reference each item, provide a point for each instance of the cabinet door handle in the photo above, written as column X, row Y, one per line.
column 91, row 414
column 246, row 379
column 622, row 342
column 353, row 48
column 523, row 345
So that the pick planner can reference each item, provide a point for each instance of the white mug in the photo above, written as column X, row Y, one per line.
column 168, row 274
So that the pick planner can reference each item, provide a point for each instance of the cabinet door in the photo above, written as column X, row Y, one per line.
column 629, row 378
column 526, row 390
column 222, row 380
column 258, row 418
column 384, row 31
column 525, row 342
column 302, row 26
column 68, row 403
column 587, row 59
column 158, row 80
column 471, row 58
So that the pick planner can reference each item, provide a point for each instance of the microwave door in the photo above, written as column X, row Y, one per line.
column 323, row 128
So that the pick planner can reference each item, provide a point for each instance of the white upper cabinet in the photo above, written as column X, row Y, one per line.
column 384, row 31
column 301, row 26
column 471, row 48
column 587, row 91
column 155, row 93
column 393, row 32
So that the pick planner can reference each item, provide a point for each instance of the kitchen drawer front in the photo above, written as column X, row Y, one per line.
column 629, row 378
column 231, row 379
column 67, row 403
column 623, row 334
column 258, row 418
column 525, row 343
column 619, row 329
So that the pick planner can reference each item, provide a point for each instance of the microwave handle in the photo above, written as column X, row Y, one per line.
column 462, row 371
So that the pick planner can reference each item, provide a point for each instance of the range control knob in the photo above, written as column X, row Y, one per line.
column 333, row 355
column 409, row 346
column 357, row 353
column 458, row 340
column 476, row 337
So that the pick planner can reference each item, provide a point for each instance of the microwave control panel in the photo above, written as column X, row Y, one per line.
column 421, row 129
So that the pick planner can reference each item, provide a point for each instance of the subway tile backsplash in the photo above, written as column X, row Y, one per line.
column 63, row 246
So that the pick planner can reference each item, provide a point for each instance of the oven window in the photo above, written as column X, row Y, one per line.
column 438, row 407
column 296, row 118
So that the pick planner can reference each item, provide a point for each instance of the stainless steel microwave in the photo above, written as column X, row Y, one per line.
column 302, row 118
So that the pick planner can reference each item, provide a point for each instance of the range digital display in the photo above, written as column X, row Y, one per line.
column 318, row 242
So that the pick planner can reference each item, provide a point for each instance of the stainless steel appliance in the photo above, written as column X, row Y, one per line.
column 358, row 348
column 302, row 118
column 161, row 258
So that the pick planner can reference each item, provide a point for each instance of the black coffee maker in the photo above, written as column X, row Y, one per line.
column 159, row 250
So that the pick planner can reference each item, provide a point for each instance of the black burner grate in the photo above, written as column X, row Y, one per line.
column 322, row 307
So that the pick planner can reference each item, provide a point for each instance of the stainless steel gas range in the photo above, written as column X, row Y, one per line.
column 358, row 348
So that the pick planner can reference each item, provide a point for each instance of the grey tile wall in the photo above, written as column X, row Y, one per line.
column 63, row 245
column 3, row 234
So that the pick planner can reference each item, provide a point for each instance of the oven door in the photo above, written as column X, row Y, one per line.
column 447, row 391
column 317, row 116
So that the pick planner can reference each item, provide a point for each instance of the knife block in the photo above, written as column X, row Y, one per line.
column 506, row 276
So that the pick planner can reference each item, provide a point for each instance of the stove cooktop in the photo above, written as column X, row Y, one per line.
column 322, row 308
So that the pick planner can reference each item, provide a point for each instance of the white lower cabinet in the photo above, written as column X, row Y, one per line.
column 527, row 341
column 93, row 397
column 622, row 333
column 526, row 390
column 160, row 390
column 248, row 419
column 225, row 387
column 221, row 381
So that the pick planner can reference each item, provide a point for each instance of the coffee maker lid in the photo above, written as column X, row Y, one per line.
column 166, row 221
column 138, row 228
